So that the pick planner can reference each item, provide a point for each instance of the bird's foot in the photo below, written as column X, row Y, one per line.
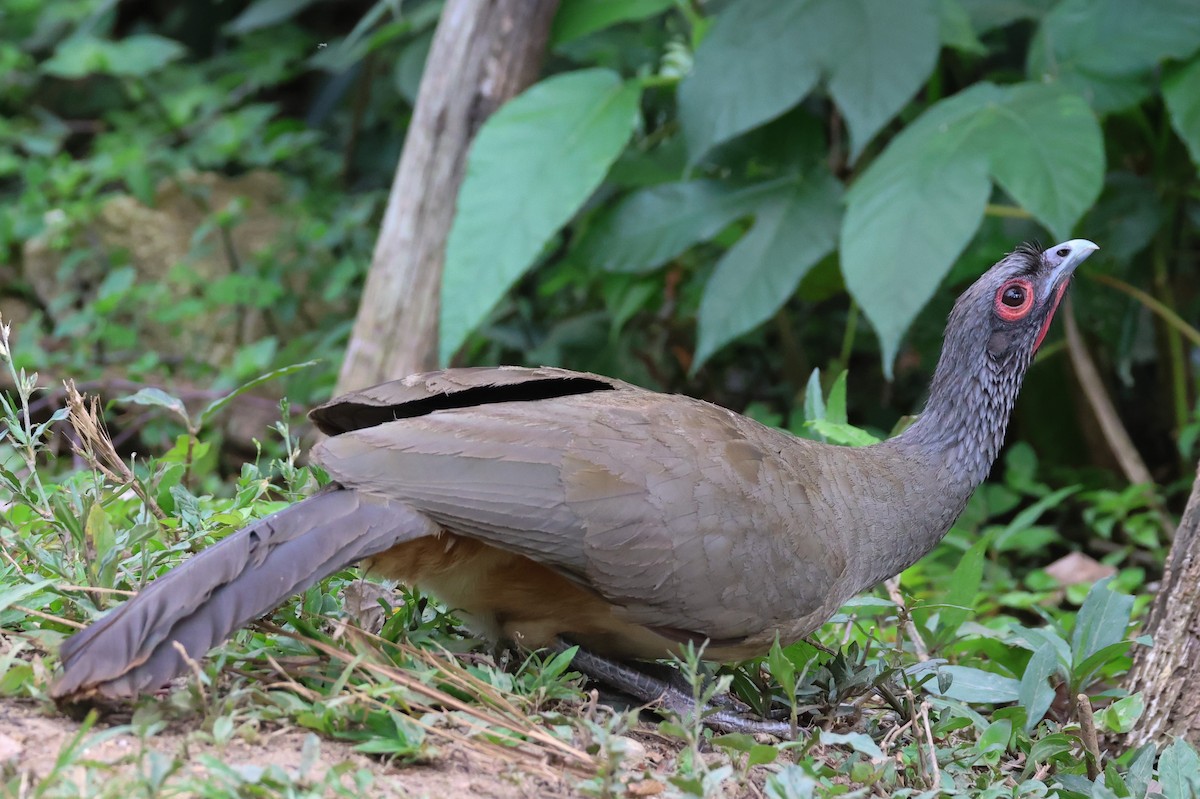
column 723, row 714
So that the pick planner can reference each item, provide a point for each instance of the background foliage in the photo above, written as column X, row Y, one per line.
column 710, row 197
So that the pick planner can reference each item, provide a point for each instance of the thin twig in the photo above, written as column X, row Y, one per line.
column 92, row 589
column 194, row 666
column 1115, row 434
column 1087, row 726
column 910, row 627
column 933, row 761
column 47, row 616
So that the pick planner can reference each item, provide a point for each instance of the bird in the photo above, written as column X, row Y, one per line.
column 550, row 506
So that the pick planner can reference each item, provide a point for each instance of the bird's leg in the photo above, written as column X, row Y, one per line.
column 652, row 690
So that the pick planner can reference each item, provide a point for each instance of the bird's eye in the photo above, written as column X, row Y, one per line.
column 1014, row 296
column 1014, row 299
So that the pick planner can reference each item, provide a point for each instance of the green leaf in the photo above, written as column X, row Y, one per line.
column 576, row 18
column 1034, row 639
column 160, row 398
column 955, row 29
column 835, row 409
column 214, row 407
column 1141, row 769
column 1121, row 715
column 1036, row 695
column 1101, row 622
column 1074, row 42
column 762, row 57
column 651, row 226
column 845, row 435
column 264, row 14
column 917, row 206
column 137, row 55
column 757, row 275
column 532, row 165
column 1049, row 746
column 993, row 742
column 1179, row 771
column 814, row 399
column 1181, row 91
column 1082, row 671
column 964, row 584
column 859, row 742
column 1024, row 520
column 976, row 685
column 16, row 593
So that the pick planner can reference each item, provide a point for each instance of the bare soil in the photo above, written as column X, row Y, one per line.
column 32, row 736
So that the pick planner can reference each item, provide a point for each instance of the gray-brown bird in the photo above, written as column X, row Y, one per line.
column 546, row 504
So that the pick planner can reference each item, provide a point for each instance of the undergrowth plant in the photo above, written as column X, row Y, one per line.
column 944, row 690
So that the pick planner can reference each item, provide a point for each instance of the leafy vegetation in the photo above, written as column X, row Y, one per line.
column 718, row 198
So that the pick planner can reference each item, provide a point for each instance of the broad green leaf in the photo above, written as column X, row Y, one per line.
column 160, row 398
column 756, row 276
column 964, row 584
column 1033, row 639
column 1082, row 671
column 1050, row 745
column 898, row 242
column 845, row 435
column 1121, row 715
column 532, row 165
column 651, row 226
column 576, row 18
column 988, row 15
column 762, row 57
column 1181, row 90
column 1101, row 621
column 976, row 685
column 955, row 29
column 16, row 593
column 1024, row 520
column 993, row 742
column 136, row 55
column 264, row 14
column 1179, row 771
column 1036, row 693
column 859, row 742
column 917, row 206
column 1140, row 771
column 1074, row 45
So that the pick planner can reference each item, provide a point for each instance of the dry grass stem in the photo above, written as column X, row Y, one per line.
column 47, row 616
column 935, row 770
column 96, row 448
column 511, row 720
column 194, row 666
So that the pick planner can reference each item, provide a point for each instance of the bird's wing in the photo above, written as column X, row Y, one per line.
column 679, row 511
column 419, row 394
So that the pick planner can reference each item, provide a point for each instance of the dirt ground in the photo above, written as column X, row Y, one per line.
column 31, row 739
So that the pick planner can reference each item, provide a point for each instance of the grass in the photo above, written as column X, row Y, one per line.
column 971, row 675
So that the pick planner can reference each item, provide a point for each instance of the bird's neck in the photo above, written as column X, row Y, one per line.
column 961, row 430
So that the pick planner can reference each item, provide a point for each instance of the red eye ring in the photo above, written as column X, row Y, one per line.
column 1014, row 299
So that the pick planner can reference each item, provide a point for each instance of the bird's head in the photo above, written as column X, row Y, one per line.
column 1008, row 310
column 993, row 332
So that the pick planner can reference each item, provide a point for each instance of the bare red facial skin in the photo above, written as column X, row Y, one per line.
column 1050, row 316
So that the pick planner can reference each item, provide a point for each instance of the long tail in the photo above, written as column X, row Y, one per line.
column 215, row 592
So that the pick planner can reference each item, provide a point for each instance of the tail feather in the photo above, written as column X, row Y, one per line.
column 217, row 591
